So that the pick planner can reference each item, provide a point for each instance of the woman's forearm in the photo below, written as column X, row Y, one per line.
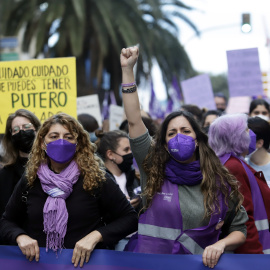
column 131, row 102
column 212, row 253
column 233, row 240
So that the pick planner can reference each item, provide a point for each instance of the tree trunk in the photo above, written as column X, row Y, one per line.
column 116, row 79
column 83, row 88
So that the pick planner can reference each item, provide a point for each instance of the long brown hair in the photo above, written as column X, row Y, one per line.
column 89, row 163
column 216, row 178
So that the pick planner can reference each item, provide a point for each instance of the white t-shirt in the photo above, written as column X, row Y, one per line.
column 122, row 181
column 265, row 169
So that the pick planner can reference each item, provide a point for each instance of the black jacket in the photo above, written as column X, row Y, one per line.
column 105, row 210
column 9, row 177
column 132, row 183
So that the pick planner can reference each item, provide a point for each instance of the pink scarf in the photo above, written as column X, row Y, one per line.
column 55, row 215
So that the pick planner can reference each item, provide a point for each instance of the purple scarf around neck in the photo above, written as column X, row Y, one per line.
column 183, row 173
column 55, row 215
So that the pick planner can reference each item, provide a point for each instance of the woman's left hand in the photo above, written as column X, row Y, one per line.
column 135, row 202
column 84, row 247
column 212, row 254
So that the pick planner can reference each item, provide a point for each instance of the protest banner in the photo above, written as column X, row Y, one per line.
column 116, row 116
column 44, row 87
column 11, row 258
column 90, row 105
column 244, row 73
column 198, row 91
column 238, row 105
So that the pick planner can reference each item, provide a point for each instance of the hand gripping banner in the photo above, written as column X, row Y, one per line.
column 11, row 258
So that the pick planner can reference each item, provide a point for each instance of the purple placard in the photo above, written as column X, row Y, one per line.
column 244, row 73
column 198, row 91
column 238, row 105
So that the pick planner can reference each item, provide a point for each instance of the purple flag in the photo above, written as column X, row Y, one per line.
column 112, row 97
column 198, row 91
column 176, row 94
column 244, row 73
column 155, row 108
column 105, row 106
column 109, row 98
column 175, row 97
column 169, row 108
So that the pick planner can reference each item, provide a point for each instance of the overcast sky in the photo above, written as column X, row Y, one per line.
column 220, row 24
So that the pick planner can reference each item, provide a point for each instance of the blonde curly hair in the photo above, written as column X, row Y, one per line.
column 90, row 165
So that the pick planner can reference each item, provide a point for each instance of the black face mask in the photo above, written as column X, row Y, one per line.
column 206, row 129
column 221, row 109
column 23, row 140
column 126, row 163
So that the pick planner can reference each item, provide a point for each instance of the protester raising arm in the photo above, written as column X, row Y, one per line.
column 178, row 171
column 128, row 58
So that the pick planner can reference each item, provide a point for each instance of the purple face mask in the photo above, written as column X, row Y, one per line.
column 181, row 147
column 252, row 145
column 61, row 151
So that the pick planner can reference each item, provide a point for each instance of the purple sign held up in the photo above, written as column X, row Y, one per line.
column 198, row 91
column 244, row 73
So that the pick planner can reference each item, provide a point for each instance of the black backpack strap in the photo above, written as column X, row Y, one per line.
column 227, row 222
column 25, row 190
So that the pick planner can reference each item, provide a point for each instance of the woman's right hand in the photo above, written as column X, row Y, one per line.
column 135, row 202
column 28, row 246
column 128, row 57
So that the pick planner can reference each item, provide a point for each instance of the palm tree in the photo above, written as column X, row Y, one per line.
column 97, row 30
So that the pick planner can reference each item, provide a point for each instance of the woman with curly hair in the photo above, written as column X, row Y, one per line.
column 231, row 139
column 66, row 197
column 188, row 194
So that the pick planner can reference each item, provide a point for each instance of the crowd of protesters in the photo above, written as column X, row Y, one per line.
column 198, row 183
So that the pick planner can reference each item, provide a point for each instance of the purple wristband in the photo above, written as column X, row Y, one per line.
column 128, row 84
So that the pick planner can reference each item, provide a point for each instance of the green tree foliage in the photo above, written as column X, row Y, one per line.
column 220, row 84
column 98, row 29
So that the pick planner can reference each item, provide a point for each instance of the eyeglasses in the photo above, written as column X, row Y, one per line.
column 17, row 129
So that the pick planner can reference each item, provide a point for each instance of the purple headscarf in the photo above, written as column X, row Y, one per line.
column 183, row 173
column 55, row 215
